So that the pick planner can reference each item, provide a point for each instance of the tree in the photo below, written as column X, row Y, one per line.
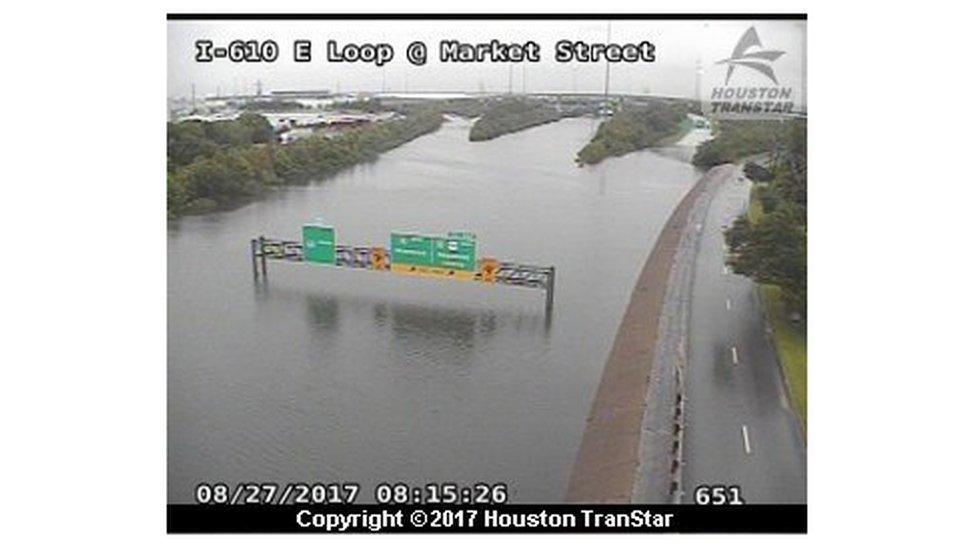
column 772, row 251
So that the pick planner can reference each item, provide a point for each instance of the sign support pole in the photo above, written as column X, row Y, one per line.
column 254, row 257
column 264, row 260
column 550, row 288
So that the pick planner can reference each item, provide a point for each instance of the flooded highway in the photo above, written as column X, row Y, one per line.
column 331, row 375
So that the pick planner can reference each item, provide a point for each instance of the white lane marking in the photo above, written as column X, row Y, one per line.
column 782, row 398
column 745, row 439
column 735, row 355
column 728, row 305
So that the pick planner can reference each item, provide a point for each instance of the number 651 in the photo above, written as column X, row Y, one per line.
column 718, row 495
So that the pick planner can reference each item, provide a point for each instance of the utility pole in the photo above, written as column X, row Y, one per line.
column 803, row 70
column 606, row 78
column 698, row 75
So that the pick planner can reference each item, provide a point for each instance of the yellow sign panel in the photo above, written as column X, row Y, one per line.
column 431, row 272
column 377, row 259
column 489, row 270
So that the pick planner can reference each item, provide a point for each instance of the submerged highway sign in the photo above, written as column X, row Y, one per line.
column 412, row 249
column 453, row 256
column 455, row 253
column 318, row 244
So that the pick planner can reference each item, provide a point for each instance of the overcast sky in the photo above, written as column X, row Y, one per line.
column 679, row 46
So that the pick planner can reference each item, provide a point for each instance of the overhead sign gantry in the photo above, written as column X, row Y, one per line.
column 453, row 256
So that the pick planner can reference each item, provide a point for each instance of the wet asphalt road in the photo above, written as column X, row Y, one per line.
column 739, row 429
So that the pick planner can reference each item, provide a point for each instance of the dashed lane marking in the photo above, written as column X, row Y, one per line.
column 745, row 439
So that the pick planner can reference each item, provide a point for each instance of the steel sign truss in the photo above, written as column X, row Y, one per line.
column 487, row 270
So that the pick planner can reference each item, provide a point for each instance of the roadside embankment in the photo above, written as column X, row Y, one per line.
column 608, row 460
column 788, row 337
column 790, row 340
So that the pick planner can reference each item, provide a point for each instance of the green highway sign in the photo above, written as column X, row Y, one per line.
column 455, row 253
column 411, row 249
column 318, row 244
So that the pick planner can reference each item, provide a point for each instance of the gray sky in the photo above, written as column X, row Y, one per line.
column 679, row 45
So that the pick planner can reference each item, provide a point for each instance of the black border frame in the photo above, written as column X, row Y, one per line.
column 482, row 16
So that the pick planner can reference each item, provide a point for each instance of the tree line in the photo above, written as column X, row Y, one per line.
column 770, row 245
column 513, row 115
column 186, row 141
column 218, row 165
column 737, row 139
column 634, row 127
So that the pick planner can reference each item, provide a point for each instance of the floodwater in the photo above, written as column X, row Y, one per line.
column 330, row 375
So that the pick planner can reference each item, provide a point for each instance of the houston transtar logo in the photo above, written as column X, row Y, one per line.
column 760, row 60
column 742, row 100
